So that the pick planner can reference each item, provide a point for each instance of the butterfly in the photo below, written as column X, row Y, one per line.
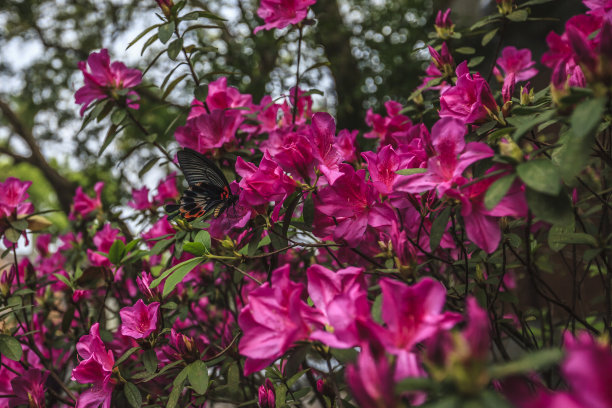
column 208, row 188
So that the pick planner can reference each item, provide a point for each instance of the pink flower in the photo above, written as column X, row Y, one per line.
column 103, row 80
column 371, row 379
column 342, row 298
column 413, row 313
column 209, row 131
column 481, row 225
column 444, row 25
column 274, row 318
column 517, row 62
column 95, row 368
column 323, row 130
column 140, row 199
column 383, row 166
column 443, row 61
column 452, row 157
column 103, row 240
column 166, row 190
column 263, row 184
column 345, row 145
column 293, row 152
column 160, row 228
column 220, row 96
column 587, row 369
column 281, row 13
column 140, row 320
column 470, row 100
column 29, row 389
column 304, row 108
column 83, row 204
column 267, row 397
column 13, row 193
column 354, row 203
column 388, row 128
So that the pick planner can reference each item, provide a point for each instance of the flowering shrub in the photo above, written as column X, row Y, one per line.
column 422, row 271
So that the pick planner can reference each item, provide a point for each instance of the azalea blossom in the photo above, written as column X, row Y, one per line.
column 281, row 13
column 274, row 318
column 95, row 368
column 103, row 240
column 29, row 389
column 208, row 131
column 140, row 320
column 13, row 196
column 140, row 199
column 103, row 80
column 323, row 130
column 517, row 62
column 84, row 204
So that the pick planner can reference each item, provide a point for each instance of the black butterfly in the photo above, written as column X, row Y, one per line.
column 208, row 188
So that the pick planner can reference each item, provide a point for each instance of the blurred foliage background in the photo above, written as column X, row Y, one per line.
column 365, row 52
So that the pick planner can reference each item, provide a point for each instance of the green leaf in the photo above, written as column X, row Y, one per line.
column 308, row 210
column 173, row 85
column 195, row 248
column 132, row 394
column 110, row 136
column 558, row 236
column 577, row 144
column 533, row 361
column 201, row 92
column 541, row 175
column 19, row 225
column 438, row 226
column 415, row 384
column 179, row 274
column 116, row 252
column 498, row 190
column 139, row 36
column 161, row 246
column 465, row 50
column 233, row 378
column 148, row 166
column 149, row 359
column 12, row 235
column 524, row 124
column 344, row 355
column 377, row 309
column 175, row 48
column 489, row 36
column 483, row 22
column 117, row 116
column 552, row 209
column 409, row 172
column 534, row 2
column 518, row 15
column 126, row 355
column 10, row 347
column 165, row 32
column 475, row 61
column 197, row 372
column 280, row 390
column 188, row 263
column 204, row 238
column 64, row 279
column 177, row 388
column 294, row 378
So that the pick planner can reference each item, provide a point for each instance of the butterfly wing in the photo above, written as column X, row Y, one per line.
column 199, row 169
column 208, row 188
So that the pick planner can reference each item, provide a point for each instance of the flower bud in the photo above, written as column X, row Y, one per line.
column 444, row 25
column 267, row 398
column 508, row 148
column 166, row 6
column 505, row 7
column 526, row 94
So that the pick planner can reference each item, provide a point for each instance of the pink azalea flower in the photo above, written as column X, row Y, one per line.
column 160, row 228
column 96, row 368
column 443, row 19
column 481, row 225
column 323, row 130
column 83, row 204
column 103, row 240
column 29, row 389
column 263, row 184
column 341, row 297
column 140, row 320
column 266, row 395
column 274, row 318
column 304, row 107
column 13, row 193
column 354, row 203
column 267, row 114
column 205, row 131
column 600, row 8
column 412, row 313
column 294, row 153
column 281, row 13
column 371, row 379
column 388, row 128
column 103, row 80
column 443, row 60
column 587, row 369
column 383, row 166
column 140, row 199
column 470, row 100
column 452, row 157
column 166, row 190
column 345, row 145
column 220, row 96
column 517, row 62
